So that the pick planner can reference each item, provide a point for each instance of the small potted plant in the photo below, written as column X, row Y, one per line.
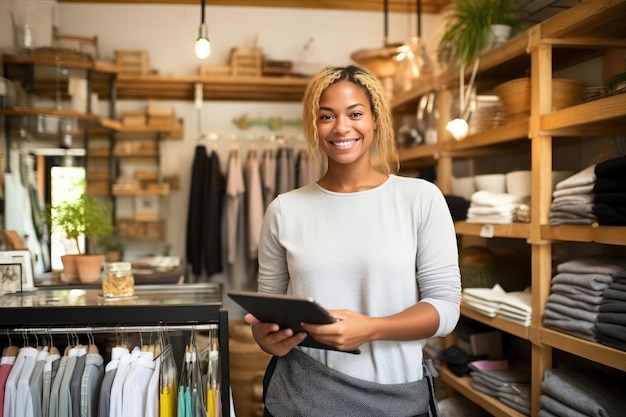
column 469, row 28
column 113, row 248
column 83, row 216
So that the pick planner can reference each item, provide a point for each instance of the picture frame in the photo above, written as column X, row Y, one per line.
column 10, row 263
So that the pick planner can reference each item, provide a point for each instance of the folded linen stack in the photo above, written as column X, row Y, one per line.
column 514, row 305
column 491, row 207
column 610, row 191
column 611, row 323
column 511, row 384
column 576, row 293
column 573, row 199
column 567, row 392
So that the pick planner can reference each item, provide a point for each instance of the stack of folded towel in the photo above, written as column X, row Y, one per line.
column 491, row 207
column 610, row 191
column 514, row 306
column 573, row 199
column 577, row 291
column 611, row 323
column 567, row 392
column 510, row 383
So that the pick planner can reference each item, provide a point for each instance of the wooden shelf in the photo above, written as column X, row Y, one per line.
column 30, row 112
column 137, row 193
column 611, row 235
column 584, row 348
column 156, row 87
column 497, row 323
column 510, row 230
column 418, row 152
column 463, row 385
column 602, row 117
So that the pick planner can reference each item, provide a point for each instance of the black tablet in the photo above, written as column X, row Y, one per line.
column 287, row 311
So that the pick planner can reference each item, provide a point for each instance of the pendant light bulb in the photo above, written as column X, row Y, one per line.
column 458, row 128
column 203, row 44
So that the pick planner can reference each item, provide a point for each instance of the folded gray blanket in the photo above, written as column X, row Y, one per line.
column 582, row 329
column 612, row 318
column 598, row 264
column 576, row 292
column 557, row 408
column 522, row 408
column 612, row 306
column 593, row 281
column 573, row 303
column 615, row 295
column 591, row 393
column 569, row 312
column 545, row 413
column 614, row 331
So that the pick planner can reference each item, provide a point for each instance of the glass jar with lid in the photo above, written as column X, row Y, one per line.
column 118, row 280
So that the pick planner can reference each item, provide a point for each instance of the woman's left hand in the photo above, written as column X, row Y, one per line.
column 349, row 332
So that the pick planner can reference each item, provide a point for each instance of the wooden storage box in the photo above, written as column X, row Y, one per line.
column 132, row 62
column 246, row 62
column 133, row 229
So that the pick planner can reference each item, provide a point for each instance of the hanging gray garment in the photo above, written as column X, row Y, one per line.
column 105, row 392
column 56, row 386
column 49, row 373
column 65, row 396
column 90, row 385
column 77, row 377
column 36, row 386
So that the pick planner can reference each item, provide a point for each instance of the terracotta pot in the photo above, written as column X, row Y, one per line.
column 89, row 267
column 113, row 256
column 70, row 270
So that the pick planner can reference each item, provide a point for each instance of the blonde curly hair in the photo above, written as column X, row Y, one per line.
column 385, row 137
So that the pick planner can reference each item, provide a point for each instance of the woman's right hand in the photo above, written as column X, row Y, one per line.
column 271, row 339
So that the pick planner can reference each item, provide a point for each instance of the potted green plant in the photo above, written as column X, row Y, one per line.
column 469, row 28
column 83, row 216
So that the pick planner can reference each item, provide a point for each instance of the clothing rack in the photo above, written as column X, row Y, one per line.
column 110, row 329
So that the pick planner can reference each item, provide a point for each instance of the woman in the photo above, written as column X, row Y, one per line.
column 377, row 250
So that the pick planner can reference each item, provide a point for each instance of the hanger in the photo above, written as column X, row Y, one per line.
column 93, row 349
column 53, row 349
column 10, row 350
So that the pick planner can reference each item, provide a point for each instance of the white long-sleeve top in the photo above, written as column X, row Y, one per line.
column 376, row 252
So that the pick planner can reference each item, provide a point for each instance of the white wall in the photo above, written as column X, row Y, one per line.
column 168, row 32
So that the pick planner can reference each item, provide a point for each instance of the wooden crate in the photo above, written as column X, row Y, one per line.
column 133, row 229
column 132, row 62
column 246, row 62
column 207, row 70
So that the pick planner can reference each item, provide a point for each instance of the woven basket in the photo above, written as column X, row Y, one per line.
column 515, row 95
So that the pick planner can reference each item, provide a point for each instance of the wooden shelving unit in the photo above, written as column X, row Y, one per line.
column 590, row 29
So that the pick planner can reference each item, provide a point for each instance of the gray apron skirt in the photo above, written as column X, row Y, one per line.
column 297, row 385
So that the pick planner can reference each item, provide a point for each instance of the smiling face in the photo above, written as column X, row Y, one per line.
column 345, row 123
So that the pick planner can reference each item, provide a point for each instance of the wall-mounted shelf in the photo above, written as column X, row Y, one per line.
column 215, row 87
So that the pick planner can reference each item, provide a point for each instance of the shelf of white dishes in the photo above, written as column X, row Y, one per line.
column 602, row 117
column 610, row 235
column 463, row 385
column 497, row 323
column 510, row 230
column 595, row 352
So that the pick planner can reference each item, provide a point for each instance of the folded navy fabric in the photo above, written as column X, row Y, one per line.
column 611, row 168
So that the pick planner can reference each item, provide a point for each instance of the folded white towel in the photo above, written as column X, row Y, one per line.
column 584, row 177
column 579, row 190
column 489, row 198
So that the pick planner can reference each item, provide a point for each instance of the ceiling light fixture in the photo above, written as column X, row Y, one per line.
column 203, row 44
